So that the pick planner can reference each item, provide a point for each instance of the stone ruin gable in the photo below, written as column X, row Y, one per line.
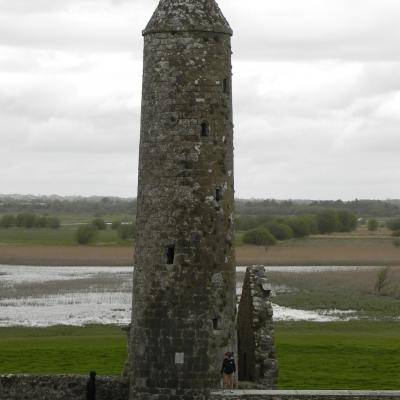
column 59, row 387
column 184, row 301
column 256, row 359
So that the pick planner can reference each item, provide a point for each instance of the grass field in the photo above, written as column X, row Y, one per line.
column 65, row 236
column 343, row 355
column 62, row 350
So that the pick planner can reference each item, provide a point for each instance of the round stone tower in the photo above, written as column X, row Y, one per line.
column 184, row 300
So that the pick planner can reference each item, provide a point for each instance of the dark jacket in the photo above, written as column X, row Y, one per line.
column 228, row 366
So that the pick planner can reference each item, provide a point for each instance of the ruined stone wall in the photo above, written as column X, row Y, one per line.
column 246, row 341
column 62, row 387
column 257, row 358
column 184, row 303
column 307, row 395
column 28, row 387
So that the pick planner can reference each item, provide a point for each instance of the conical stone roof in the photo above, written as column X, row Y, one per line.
column 188, row 15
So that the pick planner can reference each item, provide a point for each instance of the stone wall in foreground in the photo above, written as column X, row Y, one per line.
column 59, row 387
column 73, row 387
column 306, row 395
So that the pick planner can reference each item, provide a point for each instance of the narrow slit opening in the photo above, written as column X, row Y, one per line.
column 226, row 86
column 170, row 254
column 218, row 194
column 216, row 324
column 204, row 129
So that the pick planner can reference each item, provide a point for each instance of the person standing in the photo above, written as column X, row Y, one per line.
column 91, row 386
column 228, row 370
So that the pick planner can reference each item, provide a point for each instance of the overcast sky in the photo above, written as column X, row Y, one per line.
column 316, row 97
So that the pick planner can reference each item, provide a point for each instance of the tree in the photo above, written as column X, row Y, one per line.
column 86, row 234
column 312, row 222
column 127, row 231
column 347, row 221
column 26, row 220
column 115, row 225
column 7, row 221
column 99, row 224
column 259, row 237
column 301, row 226
column 280, row 230
column 372, row 225
column 394, row 224
column 53, row 223
column 382, row 279
column 41, row 222
column 248, row 222
column 327, row 221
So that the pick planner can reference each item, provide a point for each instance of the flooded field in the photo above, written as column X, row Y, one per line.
column 47, row 296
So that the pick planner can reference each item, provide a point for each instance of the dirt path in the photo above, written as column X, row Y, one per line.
column 308, row 252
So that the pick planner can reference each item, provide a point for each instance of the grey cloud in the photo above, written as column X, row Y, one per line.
column 316, row 89
column 76, row 174
column 61, row 32
column 37, row 6
column 329, row 29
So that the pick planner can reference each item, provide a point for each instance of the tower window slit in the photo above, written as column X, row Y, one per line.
column 218, row 194
column 204, row 129
column 216, row 323
column 226, row 86
column 170, row 254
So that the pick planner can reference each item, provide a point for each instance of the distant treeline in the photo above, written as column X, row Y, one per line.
column 29, row 220
column 113, row 205
column 67, row 205
column 361, row 208
column 266, row 230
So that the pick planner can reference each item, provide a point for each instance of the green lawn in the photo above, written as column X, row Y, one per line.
column 343, row 355
column 65, row 236
column 60, row 350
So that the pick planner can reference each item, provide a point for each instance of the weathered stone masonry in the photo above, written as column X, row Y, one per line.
column 24, row 387
column 306, row 395
column 184, row 303
column 59, row 387
column 257, row 358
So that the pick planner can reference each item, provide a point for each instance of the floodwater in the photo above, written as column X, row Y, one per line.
column 47, row 296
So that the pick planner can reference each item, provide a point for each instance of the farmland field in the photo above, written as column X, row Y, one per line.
column 60, row 249
column 21, row 246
